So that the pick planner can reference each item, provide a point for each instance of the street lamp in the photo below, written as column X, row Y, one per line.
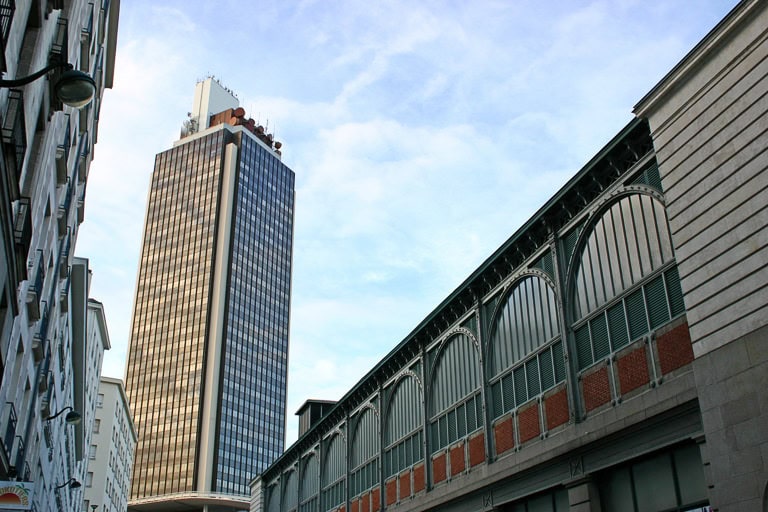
column 72, row 483
column 73, row 417
column 73, row 88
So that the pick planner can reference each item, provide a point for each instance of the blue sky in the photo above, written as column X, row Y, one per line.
column 422, row 134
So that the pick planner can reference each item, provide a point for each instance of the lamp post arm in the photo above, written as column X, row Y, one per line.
column 67, row 408
column 17, row 82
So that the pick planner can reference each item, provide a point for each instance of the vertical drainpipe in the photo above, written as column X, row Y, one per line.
column 572, row 383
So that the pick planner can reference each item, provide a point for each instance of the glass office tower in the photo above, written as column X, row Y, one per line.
column 207, row 364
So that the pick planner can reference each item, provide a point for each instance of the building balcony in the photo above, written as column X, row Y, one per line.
column 62, row 156
column 64, row 209
column 64, row 258
column 39, row 339
column 22, row 234
column 35, row 290
column 59, row 53
column 9, row 420
column 64, row 296
column 14, row 139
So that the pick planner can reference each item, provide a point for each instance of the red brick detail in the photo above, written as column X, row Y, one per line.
column 405, row 484
column 504, row 435
column 528, row 422
column 596, row 389
column 675, row 348
column 633, row 370
column 391, row 491
column 375, row 500
column 365, row 503
column 418, row 478
column 354, row 505
column 556, row 409
column 477, row 450
column 439, row 468
column 458, row 459
column 342, row 508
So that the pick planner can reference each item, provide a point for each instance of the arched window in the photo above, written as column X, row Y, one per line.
column 625, row 283
column 365, row 450
column 403, row 433
column 526, row 351
column 455, row 402
column 290, row 491
column 310, row 481
column 334, row 470
column 273, row 498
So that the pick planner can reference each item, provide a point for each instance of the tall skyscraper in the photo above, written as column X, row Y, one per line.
column 207, row 364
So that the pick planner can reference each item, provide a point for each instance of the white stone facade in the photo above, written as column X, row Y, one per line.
column 110, row 452
column 46, row 155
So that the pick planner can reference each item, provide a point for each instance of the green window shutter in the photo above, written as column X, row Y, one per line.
column 546, row 264
column 521, row 393
column 532, row 376
column 452, row 426
column 617, row 323
column 445, row 439
column 559, row 357
column 497, row 405
column 472, row 417
column 408, row 456
column 461, row 420
column 650, row 176
column 657, row 302
column 653, row 177
column 638, row 323
column 675, row 292
column 583, row 347
column 509, row 392
column 600, row 337
column 547, row 370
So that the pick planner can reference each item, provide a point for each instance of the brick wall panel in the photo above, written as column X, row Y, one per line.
column 419, row 479
column 633, row 370
column 365, row 503
column 528, row 422
column 596, row 389
column 674, row 349
column 477, row 450
column 354, row 505
column 556, row 409
column 391, row 491
column 458, row 459
column 405, row 484
column 504, row 435
column 376, row 500
column 439, row 468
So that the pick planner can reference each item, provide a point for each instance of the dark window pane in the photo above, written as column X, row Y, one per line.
column 690, row 475
column 654, row 484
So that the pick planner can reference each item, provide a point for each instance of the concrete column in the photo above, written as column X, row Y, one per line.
column 583, row 495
